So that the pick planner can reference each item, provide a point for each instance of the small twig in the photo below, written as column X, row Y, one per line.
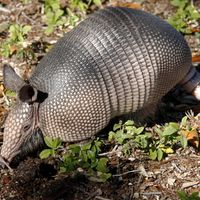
column 24, row 15
column 101, row 198
column 5, row 10
column 132, row 171
column 93, row 195
column 110, row 152
column 151, row 193
column 175, row 166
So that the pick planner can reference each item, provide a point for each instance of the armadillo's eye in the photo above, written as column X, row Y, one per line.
column 26, row 128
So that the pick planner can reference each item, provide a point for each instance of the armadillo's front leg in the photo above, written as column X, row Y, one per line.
column 4, row 163
column 191, row 83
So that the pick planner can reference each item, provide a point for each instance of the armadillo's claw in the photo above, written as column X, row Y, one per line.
column 3, row 163
column 190, row 114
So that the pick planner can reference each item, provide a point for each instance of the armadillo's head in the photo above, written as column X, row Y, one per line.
column 19, row 127
column 22, row 122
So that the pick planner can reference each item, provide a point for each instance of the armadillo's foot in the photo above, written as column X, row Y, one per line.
column 196, row 92
column 3, row 163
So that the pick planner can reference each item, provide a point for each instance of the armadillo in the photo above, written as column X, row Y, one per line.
column 116, row 61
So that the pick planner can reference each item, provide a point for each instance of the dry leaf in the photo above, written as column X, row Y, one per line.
column 196, row 58
column 13, row 49
column 195, row 30
column 133, row 5
column 192, row 137
column 2, row 90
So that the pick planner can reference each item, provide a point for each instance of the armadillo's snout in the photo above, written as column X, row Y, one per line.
column 18, row 127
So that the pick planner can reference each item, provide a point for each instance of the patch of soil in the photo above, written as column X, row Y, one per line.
column 35, row 179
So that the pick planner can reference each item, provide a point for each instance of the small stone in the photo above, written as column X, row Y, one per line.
column 171, row 181
column 143, row 171
column 136, row 195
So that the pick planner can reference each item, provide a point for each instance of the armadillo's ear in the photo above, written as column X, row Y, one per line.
column 30, row 94
column 11, row 80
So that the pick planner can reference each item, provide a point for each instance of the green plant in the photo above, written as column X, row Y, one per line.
column 16, row 40
column 184, row 196
column 53, row 15
column 185, row 15
column 53, row 144
column 78, row 156
column 72, row 18
column 77, row 9
column 159, row 144
column 169, row 137
column 123, row 133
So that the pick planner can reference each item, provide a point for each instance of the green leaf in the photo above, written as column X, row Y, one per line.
column 169, row 150
column 153, row 154
column 131, row 129
column 91, row 155
column 111, row 136
column 121, row 136
column 139, row 130
column 84, row 157
column 184, row 121
column 74, row 148
column 129, row 123
column 184, row 196
column 63, row 169
column 148, row 135
column 174, row 125
column 97, row 2
column 26, row 29
column 49, row 30
column 144, row 143
column 86, row 146
column 104, row 176
column 194, row 14
column 10, row 93
column 183, row 141
column 45, row 153
column 158, row 131
column 97, row 145
column 102, row 165
column 48, row 141
column 169, row 130
column 159, row 154
column 126, row 149
column 179, row 3
column 116, row 127
column 56, row 143
column 52, row 143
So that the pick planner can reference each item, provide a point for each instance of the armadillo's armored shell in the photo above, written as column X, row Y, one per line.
column 116, row 61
